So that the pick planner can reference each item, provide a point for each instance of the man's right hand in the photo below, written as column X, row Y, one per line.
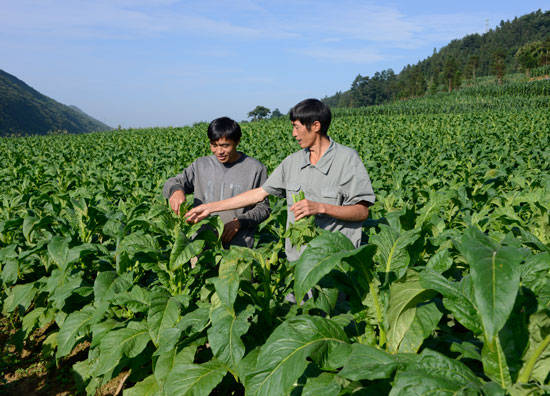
column 176, row 199
column 198, row 213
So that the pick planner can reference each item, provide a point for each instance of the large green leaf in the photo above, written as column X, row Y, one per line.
column 167, row 361
column 147, row 387
column 163, row 313
column 368, row 363
column 425, row 321
column 194, row 379
column 392, row 252
column 58, row 248
column 495, row 272
column 225, row 334
column 324, row 384
column 494, row 362
column 432, row 373
column 321, row 255
column 234, row 264
column 126, row 342
column 19, row 297
column 404, row 297
column 73, row 330
column 535, row 276
column 108, row 284
column 458, row 297
column 282, row 359
column 9, row 267
column 184, row 249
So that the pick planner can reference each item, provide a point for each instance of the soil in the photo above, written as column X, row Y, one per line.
column 32, row 371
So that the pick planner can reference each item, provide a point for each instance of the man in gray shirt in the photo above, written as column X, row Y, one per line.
column 224, row 174
column 335, row 182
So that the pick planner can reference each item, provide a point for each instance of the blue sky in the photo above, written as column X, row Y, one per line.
column 142, row 63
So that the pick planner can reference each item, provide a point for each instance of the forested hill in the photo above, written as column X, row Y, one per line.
column 25, row 111
column 514, row 46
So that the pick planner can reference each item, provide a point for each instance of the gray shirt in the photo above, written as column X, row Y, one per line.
column 210, row 181
column 338, row 178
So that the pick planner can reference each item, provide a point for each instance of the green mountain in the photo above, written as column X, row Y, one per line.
column 457, row 64
column 25, row 111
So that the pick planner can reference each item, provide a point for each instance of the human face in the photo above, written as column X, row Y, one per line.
column 225, row 150
column 305, row 137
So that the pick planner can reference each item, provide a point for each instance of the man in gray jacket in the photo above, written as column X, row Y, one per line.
column 224, row 174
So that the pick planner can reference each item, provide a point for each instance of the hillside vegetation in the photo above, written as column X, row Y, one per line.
column 449, row 294
column 520, row 45
column 25, row 111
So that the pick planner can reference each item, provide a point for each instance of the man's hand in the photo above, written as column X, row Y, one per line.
column 230, row 229
column 357, row 212
column 176, row 199
column 306, row 208
column 198, row 213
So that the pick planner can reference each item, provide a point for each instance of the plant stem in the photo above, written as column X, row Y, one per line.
column 526, row 373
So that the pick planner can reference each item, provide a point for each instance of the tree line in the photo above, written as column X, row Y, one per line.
column 518, row 45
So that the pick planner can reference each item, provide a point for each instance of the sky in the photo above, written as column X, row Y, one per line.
column 158, row 63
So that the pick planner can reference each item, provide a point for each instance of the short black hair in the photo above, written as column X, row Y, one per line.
column 310, row 110
column 224, row 127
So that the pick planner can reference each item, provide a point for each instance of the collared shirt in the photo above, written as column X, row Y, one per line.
column 338, row 178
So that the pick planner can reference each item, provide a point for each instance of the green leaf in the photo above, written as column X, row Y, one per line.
column 19, row 297
column 195, row 320
column 425, row 321
column 537, row 356
column 168, row 338
column 321, row 255
column 58, row 249
column 466, row 350
column 184, row 250
column 232, row 266
column 167, row 361
column 65, row 287
column 368, row 363
column 194, row 379
column 225, row 334
column 10, row 272
column 108, row 284
column 392, row 249
column 127, row 342
column 535, row 276
column 441, row 261
column 404, row 297
column 282, row 359
column 494, row 363
column 147, row 387
column 437, row 200
column 164, row 313
column 9, row 267
column 432, row 373
column 458, row 297
column 495, row 272
column 324, row 385
column 138, row 299
column 73, row 330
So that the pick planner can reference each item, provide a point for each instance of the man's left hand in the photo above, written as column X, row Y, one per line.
column 306, row 208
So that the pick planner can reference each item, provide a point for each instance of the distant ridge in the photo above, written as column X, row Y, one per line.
column 460, row 61
column 25, row 111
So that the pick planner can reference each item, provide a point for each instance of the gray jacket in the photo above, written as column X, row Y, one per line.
column 210, row 181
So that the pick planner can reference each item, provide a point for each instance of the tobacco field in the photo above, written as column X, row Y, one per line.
column 449, row 294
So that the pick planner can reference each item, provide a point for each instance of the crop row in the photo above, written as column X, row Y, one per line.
column 449, row 293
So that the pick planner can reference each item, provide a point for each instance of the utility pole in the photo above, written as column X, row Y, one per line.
column 486, row 25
